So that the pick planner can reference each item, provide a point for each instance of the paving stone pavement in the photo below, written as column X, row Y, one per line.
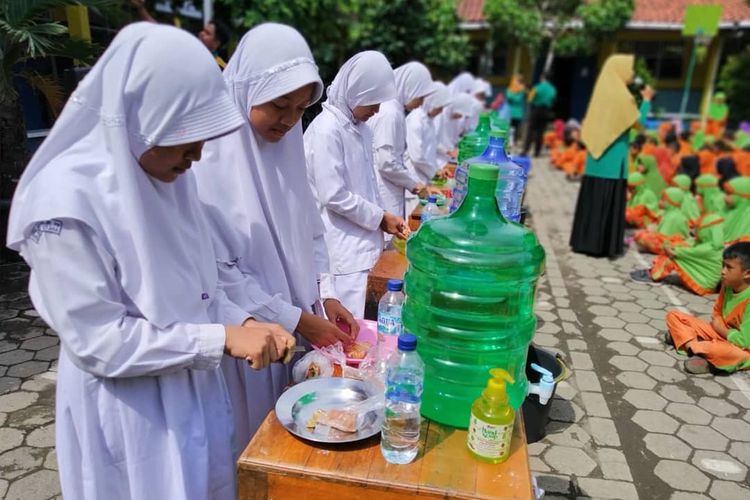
column 628, row 423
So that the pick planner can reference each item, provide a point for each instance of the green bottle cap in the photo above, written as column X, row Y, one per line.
column 501, row 133
column 484, row 171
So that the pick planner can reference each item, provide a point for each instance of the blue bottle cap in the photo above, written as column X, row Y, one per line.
column 395, row 285
column 407, row 342
column 432, row 198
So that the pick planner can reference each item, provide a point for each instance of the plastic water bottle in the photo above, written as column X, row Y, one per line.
column 403, row 397
column 389, row 322
column 470, row 300
column 430, row 210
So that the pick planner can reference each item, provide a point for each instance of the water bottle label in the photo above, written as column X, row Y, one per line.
column 389, row 324
column 488, row 440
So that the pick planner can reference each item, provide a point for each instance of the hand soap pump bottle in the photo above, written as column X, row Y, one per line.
column 491, row 424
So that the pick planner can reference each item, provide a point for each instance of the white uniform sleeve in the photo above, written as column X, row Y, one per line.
column 75, row 289
column 326, row 163
column 243, row 290
column 416, row 148
column 388, row 158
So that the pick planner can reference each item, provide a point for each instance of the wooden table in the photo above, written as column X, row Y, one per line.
column 278, row 465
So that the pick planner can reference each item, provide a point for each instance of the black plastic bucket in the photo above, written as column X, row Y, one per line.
column 535, row 414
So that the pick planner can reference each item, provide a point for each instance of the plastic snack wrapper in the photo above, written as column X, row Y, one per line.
column 331, row 362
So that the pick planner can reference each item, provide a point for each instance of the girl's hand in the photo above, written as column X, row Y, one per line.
column 259, row 343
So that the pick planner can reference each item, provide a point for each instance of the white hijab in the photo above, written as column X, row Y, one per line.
column 413, row 80
column 140, row 94
column 365, row 79
column 261, row 187
column 481, row 86
column 439, row 98
column 449, row 130
column 462, row 84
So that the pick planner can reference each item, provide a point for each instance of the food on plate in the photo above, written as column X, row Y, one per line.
column 343, row 420
column 358, row 350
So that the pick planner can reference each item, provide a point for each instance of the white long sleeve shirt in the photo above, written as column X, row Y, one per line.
column 341, row 174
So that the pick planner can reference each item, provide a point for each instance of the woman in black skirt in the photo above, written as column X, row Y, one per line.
column 599, row 223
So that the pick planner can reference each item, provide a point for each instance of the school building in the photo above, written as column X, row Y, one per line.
column 654, row 34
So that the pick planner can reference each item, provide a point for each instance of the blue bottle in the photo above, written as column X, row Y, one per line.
column 511, row 181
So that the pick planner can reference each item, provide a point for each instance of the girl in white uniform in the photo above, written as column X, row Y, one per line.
column 421, row 136
column 338, row 150
column 256, row 179
column 388, row 127
column 122, row 268
column 451, row 124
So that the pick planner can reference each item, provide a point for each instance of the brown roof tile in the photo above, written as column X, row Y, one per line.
column 646, row 11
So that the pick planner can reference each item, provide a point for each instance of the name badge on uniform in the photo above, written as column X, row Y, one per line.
column 53, row 226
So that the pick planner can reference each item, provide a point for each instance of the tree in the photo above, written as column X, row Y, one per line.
column 734, row 80
column 568, row 27
column 28, row 31
column 425, row 30
column 408, row 30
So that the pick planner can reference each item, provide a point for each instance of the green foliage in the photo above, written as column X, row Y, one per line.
column 734, row 80
column 426, row 30
column 641, row 71
column 28, row 31
column 571, row 26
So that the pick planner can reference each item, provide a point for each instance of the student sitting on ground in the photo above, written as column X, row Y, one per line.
column 689, row 206
column 724, row 343
column 673, row 226
column 737, row 217
column 643, row 205
column 711, row 196
column 697, row 265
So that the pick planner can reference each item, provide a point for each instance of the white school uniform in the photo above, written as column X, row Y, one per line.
column 274, row 232
column 122, row 268
column 340, row 168
column 421, row 136
column 388, row 128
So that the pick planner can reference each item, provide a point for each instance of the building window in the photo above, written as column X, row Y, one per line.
column 664, row 59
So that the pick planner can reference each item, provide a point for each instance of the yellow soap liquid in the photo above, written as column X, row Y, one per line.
column 491, row 423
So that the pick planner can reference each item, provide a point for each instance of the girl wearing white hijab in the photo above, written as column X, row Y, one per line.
column 388, row 127
column 421, row 136
column 480, row 89
column 122, row 268
column 256, row 178
column 338, row 150
column 463, row 83
column 451, row 124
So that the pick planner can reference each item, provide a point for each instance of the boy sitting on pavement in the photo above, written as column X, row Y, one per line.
column 724, row 343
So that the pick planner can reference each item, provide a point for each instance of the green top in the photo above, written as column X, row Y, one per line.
column 654, row 179
column 718, row 110
column 689, row 205
column 739, row 337
column 613, row 163
column 702, row 261
column 707, row 186
column 516, row 103
column 737, row 220
column 642, row 195
column 673, row 221
column 544, row 95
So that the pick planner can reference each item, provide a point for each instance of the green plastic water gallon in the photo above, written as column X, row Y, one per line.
column 470, row 292
column 474, row 143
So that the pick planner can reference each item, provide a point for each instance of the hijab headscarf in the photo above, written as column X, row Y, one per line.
column 462, row 84
column 448, row 129
column 707, row 186
column 140, row 94
column 413, row 80
column 612, row 109
column 439, row 98
column 365, row 79
column 259, row 186
column 515, row 84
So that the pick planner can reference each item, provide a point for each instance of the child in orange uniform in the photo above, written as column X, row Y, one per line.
column 724, row 343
